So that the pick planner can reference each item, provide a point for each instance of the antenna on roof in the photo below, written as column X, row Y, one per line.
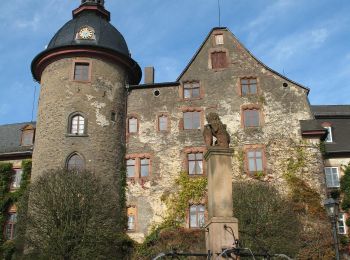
column 33, row 103
column 219, row 9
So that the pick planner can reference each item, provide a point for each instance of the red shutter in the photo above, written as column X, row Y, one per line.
column 218, row 60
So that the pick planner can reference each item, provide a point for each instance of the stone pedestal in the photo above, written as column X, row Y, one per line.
column 219, row 234
column 221, row 222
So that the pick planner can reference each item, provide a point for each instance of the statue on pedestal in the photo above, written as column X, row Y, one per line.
column 215, row 128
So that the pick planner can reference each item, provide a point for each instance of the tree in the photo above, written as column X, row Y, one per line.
column 267, row 222
column 73, row 215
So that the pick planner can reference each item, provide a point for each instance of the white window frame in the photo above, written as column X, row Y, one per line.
column 17, row 178
column 341, row 219
column 219, row 39
column 198, row 211
column 77, row 126
column 332, row 185
column 329, row 138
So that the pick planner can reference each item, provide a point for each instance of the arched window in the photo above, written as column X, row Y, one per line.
column 77, row 125
column 75, row 162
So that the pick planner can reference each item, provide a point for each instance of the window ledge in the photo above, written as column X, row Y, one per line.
column 76, row 135
column 82, row 81
column 196, row 175
column 194, row 129
column 191, row 99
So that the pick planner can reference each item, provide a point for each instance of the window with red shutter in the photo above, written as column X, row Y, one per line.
column 218, row 60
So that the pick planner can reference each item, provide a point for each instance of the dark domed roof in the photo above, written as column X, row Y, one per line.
column 88, row 34
column 106, row 35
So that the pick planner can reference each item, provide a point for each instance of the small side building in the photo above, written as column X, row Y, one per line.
column 16, row 146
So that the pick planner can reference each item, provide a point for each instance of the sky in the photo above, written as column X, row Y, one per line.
column 306, row 40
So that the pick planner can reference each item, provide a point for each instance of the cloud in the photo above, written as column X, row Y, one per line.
column 269, row 14
column 277, row 52
column 32, row 23
column 319, row 35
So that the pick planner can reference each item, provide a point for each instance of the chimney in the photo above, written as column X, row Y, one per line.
column 149, row 75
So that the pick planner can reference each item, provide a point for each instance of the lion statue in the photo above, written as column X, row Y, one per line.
column 215, row 128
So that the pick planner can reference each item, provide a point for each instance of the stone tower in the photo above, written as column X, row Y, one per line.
column 82, row 108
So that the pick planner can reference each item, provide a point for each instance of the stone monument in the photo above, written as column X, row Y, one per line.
column 222, row 227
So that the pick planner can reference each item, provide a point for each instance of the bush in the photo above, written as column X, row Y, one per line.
column 72, row 215
column 267, row 222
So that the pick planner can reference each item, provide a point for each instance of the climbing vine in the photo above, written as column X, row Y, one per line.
column 305, row 197
column 8, row 198
column 170, row 233
column 190, row 190
column 345, row 188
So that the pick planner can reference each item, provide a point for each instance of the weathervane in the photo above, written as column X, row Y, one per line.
column 219, row 9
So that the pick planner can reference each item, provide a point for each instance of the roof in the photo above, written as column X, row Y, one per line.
column 104, row 39
column 10, row 139
column 155, row 85
column 338, row 117
column 331, row 111
column 259, row 61
column 311, row 125
column 107, row 36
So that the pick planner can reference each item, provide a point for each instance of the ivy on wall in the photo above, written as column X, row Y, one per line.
column 170, row 233
column 345, row 188
column 8, row 198
column 316, row 237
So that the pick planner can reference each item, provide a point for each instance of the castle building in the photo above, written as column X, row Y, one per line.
column 94, row 114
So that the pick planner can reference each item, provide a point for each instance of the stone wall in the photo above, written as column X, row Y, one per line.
column 282, row 104
column 103, row 145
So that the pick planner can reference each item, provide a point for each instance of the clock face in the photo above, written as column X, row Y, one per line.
column 86, row 33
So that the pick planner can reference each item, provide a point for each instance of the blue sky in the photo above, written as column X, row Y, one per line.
column 307, row 40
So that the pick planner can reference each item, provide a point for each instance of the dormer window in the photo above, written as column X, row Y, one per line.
column 329, row 138
column 27, row 138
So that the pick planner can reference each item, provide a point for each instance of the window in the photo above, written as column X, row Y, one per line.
column 341, row 223
column 75, row 163
column 16, row 178
column 81, row 71
column 27, row 138
column 195, row 163
column 249, row 87
column 191, row 90
column 133, row 126
column 332, row 177
column 138, row 167
column 197, row 219
column 163, row 123
column 251, row 118
column 145, row 165
column 131, row 212
column 218, row 60
column 10, row 226
column 77, row 125
column 255, row 160
column 113, row 116
column 219, row 39
column 192, row 120
column 130, row 168
column 329, row 137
